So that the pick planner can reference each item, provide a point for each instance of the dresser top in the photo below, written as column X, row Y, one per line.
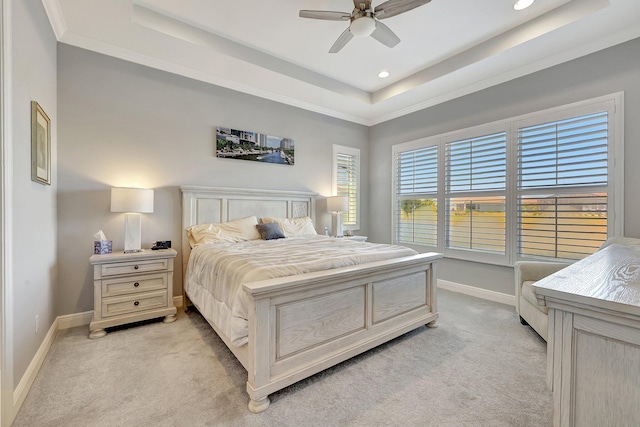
column 608, row 279
column 120, row 256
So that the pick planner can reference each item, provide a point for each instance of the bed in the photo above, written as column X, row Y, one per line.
column 298, row 325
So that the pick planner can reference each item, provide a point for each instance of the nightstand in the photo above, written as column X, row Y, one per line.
column 355, row 238
column 131, row 287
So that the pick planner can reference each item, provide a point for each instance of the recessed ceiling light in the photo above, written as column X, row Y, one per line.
column 522, row 4
column 383, row 74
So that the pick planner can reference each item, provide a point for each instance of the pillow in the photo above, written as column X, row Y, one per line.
column 270, row 231
column 237, row 230
column 292, row 227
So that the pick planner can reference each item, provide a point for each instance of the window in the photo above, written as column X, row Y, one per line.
column 346, row 182
column 542, row 185
column 562, row 187
column 475, row 188
column 416, row 196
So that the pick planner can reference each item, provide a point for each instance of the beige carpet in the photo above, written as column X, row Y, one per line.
column 479, row 368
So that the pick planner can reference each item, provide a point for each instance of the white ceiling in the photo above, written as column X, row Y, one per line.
column 449, row 48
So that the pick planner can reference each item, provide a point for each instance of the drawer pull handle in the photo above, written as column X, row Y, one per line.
column 136, row 284
column 136, row 303
column 136, row 267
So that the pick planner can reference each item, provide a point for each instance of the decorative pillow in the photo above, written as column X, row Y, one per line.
column 270, row 231
column 237, row 230
column 302, row 226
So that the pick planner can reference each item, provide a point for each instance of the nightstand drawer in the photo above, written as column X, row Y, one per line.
column 136, row 284
column 115, row 306
column 135, row 267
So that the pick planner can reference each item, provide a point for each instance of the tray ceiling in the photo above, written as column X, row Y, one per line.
column 449, row 48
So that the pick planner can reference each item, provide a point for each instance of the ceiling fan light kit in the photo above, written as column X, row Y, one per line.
column 363, row 27
column 365, row 20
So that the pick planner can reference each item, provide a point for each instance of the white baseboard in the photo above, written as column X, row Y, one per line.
column 62, row 322
column 477, row 292
column 178, row 301
column 21, row 391
column 72, row 320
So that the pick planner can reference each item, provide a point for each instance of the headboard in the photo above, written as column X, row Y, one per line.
column 206, row 205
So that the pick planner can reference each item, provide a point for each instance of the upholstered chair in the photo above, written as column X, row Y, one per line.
column 529, row 272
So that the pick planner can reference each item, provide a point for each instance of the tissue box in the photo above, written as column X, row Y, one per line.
column 102, row 247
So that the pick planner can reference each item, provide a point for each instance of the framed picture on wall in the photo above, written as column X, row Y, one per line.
column 40, row 145
column 254, row 146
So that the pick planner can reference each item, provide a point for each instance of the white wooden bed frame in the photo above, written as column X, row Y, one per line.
column 303, row 324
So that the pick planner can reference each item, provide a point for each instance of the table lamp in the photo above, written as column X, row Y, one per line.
column 133, row 201
column 337, row 205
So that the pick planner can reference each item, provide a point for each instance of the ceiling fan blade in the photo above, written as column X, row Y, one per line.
column 341, row 42
column 326, row 15
column 396, row 7
column 384, row 35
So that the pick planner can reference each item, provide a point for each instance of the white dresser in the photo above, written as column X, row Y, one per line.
column 593, row 351
column 130, row 287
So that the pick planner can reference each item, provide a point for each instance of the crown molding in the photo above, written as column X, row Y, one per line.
column 551, row 61
column 56, row 18
column 378, row 111
column 108, row 49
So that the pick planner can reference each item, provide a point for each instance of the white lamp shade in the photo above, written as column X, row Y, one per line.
column 138, row 200
column 337, row 204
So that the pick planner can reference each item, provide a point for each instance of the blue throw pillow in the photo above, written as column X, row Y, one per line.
column 270, row 231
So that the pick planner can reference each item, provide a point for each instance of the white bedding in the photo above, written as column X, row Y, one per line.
column 216, row 272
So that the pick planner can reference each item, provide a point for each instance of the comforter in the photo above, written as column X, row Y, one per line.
column 216, row 272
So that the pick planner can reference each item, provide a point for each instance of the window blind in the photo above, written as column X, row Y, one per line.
column 477, row 164
column 416, row 195
column 566, row 153
column 476, row 175
column 347, row 185
column 476, row 224
column 540, row 185
column 563, row 187
column 417, row 171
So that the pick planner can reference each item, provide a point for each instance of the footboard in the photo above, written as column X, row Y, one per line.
column 303, row 324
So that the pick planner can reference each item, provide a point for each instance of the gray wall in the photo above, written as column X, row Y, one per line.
column 612, row 70
column 34, row 205
column 123, row 124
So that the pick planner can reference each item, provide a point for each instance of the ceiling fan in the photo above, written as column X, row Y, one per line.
column 364, row 21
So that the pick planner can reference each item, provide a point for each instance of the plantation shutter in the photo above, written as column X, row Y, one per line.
column 475, row 187
column 477, row 164
column 347, row 185
column 563, row 187
column 416, row 196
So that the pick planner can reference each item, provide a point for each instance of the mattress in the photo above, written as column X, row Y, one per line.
column 216, row 272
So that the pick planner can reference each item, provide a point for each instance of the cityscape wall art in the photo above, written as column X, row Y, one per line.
column 253, row 146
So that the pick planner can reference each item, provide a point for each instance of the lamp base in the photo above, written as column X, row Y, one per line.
column 132, row 233
column 337, row 224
